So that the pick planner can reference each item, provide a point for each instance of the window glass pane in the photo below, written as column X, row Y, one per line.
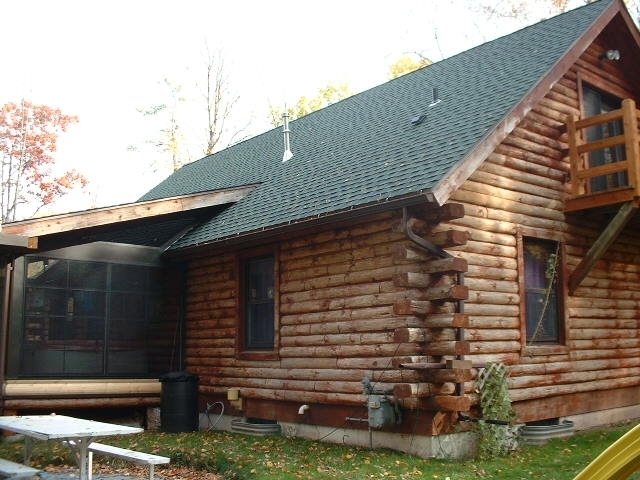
column 127, row 305
column 87, row 303
column 43, row 300
column 87, row 275
column 129, row 277
column 47, row 272
column 542, row 291
column 260, row 325
column 259, row 308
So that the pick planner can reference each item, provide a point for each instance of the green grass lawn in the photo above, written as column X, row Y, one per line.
column 238, row 456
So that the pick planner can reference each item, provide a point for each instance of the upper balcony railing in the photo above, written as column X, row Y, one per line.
column 605, row 158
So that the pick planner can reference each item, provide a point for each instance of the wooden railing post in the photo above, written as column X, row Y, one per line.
column 577, row 185
column 630, row 122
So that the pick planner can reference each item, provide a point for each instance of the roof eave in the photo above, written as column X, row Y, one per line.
column 268, row 232
column 119, row 214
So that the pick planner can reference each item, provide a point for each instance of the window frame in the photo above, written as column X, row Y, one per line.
column 242, row 350
column 563, row 318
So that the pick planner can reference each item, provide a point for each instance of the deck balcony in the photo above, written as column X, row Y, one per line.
column 605, row 159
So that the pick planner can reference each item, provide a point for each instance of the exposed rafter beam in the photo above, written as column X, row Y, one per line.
column 123, row 213
column 18, row 241
column 602, row 244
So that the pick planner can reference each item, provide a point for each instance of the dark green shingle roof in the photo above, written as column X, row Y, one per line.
column 365, row 149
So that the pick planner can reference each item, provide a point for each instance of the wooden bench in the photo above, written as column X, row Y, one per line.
column 140, row 458
column 9, row 469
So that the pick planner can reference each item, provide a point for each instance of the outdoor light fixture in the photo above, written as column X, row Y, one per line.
column 611, row 55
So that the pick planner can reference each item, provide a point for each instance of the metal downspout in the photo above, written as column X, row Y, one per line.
column 438, row 252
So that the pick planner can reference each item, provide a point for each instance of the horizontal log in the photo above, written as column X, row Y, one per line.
column 412, row 279
column 63, row 404
column 571, row 388
column 385, row 322
column 508, row 358
column 407, row 334
column 491, row 334
column 389, row 349
column 448, row 211
column 571, row 377
column 451, row 293
column 444, row 320
column 455, row 375
column 448, row 238
column 416, row 225
column 422, row 363
column 445, row 265
column 455, row 363
column 408, row 390
column 373, row 314
column 443, row 422
column 444, row 375
column 279, row 384
column 400, row 361
column 372, row 338
column 339, row 303
column 501, row 346
column 445, row 403
column 447, row 348
column 404, row 253
column 483, row 284
column 300, row 396
column 325, row 238
column 412, row 307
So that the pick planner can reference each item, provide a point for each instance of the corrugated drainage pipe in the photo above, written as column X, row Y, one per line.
column 540, row 434
column 255, row 428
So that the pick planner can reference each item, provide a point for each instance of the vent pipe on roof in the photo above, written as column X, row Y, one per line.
column 287, row 142
column 436, row 97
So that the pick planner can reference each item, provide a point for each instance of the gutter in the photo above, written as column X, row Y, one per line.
column 309, row 222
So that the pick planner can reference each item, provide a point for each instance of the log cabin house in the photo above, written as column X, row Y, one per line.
column 356, row 270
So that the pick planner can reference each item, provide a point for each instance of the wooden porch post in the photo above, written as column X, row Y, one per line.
column 630, row 122
column 577, row 185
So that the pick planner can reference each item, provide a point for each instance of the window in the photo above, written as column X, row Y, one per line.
column 542, row 287
column 258, row 303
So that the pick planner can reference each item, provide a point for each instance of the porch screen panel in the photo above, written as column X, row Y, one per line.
column 65, row 312
column 129, row 314
column 85, row 318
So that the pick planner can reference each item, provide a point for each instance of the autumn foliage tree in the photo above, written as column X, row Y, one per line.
column 28, row 140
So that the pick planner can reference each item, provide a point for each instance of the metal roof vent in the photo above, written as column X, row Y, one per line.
column 418, row 119
column 436, row 97
column 287, row 141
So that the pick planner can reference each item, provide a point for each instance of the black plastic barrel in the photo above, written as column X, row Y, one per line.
column 179, row 402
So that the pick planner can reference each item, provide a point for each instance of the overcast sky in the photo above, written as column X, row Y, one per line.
column 102, row 61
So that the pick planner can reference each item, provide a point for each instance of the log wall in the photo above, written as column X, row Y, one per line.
column 521, row 187
column 336, row 320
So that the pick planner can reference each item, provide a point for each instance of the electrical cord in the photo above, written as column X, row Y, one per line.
column 210, row 407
